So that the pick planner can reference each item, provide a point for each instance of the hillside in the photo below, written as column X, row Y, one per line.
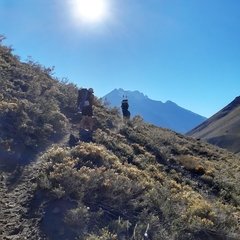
column 34, row 107
column 166, row 115
column 223, row 128
column 134, row 181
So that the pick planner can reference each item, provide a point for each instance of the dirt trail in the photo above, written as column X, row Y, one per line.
column 16, row 192
column 15, row 197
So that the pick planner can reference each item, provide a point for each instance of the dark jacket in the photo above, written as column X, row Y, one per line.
column 88, row 108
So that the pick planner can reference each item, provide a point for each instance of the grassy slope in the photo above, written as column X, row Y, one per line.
column 134, row 180
column 33, row 107
column 137, row 175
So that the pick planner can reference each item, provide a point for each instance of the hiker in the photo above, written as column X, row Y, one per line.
column 125, row 106
column 85, row 111
column 85, row 107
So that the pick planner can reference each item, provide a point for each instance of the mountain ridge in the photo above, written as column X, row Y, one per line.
column 222, row 128
column 168, row 114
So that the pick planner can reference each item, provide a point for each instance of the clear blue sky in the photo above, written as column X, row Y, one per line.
column 186, row 51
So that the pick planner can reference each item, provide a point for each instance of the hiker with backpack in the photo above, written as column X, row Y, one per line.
column 85, row 110
column 125, row 111
column 85, row 101
column 85, row 107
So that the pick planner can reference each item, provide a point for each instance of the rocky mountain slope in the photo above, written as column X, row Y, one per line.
column 134, row 181
column 167, row 115
column 223, row 128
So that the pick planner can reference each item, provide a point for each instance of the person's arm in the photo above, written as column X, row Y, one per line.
column 91, row 99
column 78, row 99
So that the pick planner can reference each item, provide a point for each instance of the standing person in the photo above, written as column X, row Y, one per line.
column 125, row 112
column 85, row 103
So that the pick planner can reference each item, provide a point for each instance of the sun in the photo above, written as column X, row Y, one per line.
column 89, row 10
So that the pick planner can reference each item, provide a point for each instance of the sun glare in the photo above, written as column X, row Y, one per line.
column 89, row 10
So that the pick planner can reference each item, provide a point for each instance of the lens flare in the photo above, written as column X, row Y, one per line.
column 89, row 10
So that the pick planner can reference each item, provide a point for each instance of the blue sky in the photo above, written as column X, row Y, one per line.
column 186, row 51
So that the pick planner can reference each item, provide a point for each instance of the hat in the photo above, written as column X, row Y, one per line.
column 91, row 90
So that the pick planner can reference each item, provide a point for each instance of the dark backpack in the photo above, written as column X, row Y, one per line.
column 82, row 99
column 124, row 105
column 73, row 141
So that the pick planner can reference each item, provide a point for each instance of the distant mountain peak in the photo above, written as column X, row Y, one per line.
column 134, row 93
column 170, row 102
column 167, row 115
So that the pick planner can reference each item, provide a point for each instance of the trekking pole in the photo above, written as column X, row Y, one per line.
column 146, row 232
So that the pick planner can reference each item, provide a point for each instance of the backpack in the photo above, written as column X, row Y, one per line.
column 124, row 105
column 73, row 141
column 82, row 99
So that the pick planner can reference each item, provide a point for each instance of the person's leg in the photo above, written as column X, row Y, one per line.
column 89, row 123
column 83, row 123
